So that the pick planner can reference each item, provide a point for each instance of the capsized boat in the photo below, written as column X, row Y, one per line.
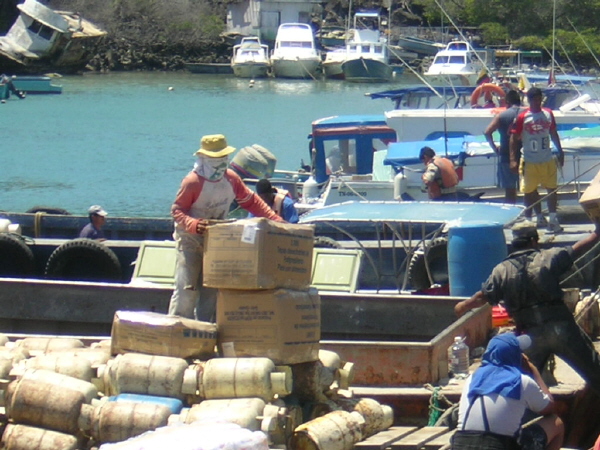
column 295, row 54
column 250, row 58
column 42, row 40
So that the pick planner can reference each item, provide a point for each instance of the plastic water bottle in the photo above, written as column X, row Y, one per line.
column 458, row 358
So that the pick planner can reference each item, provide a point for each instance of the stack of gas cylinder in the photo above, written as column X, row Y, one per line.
column 60, row 394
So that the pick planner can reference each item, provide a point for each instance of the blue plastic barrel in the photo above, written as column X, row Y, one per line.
column 473, row 251
column 174, row 404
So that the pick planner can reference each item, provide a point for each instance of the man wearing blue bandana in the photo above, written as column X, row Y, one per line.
column 496, row 397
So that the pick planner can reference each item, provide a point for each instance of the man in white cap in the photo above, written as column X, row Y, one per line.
column 528, row 282
column 206, row 193
column 93, row 230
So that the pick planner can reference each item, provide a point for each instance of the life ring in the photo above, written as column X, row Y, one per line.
column 16, row 258
column 83, row 260
column 487, row 88
column 437, row 261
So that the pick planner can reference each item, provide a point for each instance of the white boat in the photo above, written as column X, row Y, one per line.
column 42, row 40
column 295, row 54
column 458, row 64
column 367, row 53
column 250, row 58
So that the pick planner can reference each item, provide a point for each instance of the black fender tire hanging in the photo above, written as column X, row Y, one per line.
column 83, row 260
column 48, row 210
column 437, row 259
column 16, row 258
column 326, row 242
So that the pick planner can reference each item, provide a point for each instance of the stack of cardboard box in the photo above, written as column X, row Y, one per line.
column 265, row 305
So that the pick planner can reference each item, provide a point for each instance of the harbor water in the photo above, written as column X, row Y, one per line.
column 125, row 140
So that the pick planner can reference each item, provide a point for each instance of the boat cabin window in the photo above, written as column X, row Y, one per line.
column 377, row 49
column 296, row 44
column 440, row 60
column 457, row 46
column 340, row 156
column 457, row 59
column 41, row 30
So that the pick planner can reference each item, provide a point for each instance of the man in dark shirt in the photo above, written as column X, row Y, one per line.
column 93, row 230
column 528, row 282
column 502, row 123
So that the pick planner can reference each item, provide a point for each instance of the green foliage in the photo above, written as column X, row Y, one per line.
column 494, row 34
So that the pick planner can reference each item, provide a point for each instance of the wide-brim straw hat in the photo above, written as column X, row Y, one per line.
column 215, row 146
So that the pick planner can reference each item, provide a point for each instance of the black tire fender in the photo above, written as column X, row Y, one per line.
column 83, row 260
column 48, row 210
column 437, row 259
column 326, row 242
column 16, row 258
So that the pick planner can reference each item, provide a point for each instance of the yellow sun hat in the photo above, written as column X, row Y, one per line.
column 214, row 145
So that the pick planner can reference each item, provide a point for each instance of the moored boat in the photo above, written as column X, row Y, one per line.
column 250, row 58
column 367, row 53
column 295, row 54
column 459, row 64
column 36, row 84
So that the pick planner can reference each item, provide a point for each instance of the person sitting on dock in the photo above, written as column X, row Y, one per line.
column 496, row 396
column 205, row 193
column 93, row 230
column 278, row 200
column 528, row 282
column 440, row 176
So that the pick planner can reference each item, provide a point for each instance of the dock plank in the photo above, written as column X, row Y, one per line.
column 439, row 441
column 383, row 439
column 419, row 438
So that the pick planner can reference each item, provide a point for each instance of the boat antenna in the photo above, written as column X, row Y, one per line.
column 485, row 66
column 553, row 38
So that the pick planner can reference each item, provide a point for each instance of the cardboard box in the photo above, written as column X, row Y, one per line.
column 283, row 324
column 590, row 200
column 258, row 254
column 159, row 334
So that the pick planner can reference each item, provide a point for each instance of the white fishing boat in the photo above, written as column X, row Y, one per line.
column 367, row 53
column 295, row 54
column 250, row 58
column 458, row 64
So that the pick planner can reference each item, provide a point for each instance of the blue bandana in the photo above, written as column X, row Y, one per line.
column 500, row 371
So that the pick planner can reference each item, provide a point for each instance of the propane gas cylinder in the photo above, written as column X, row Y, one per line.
column 73, row 366
column 377, row 417
column 96, row 355
column 246, row 412
column 136, row 373
column 61, row 381
column 118, row 421
column 25, row 437
column 45, row 345
column 338, row 430
column 244, row 377
column 43, row 404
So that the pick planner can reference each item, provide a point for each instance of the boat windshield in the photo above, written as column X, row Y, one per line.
column 457, row 59
column 296, row 44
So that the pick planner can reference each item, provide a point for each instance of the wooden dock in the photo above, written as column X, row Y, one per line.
column 408, row 438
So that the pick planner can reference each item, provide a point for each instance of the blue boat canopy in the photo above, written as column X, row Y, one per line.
column 453, row 213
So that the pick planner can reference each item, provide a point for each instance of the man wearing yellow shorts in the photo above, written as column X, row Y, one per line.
column 534, row 128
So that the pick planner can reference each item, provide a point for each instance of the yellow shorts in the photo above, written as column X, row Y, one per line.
column 540, row 174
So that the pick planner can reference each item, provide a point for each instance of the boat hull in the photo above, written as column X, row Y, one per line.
column 295, row 68
column 250, row 70
column 36, row 85
column 363, row 70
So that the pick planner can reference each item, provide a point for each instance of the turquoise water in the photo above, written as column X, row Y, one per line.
column 126, row 140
